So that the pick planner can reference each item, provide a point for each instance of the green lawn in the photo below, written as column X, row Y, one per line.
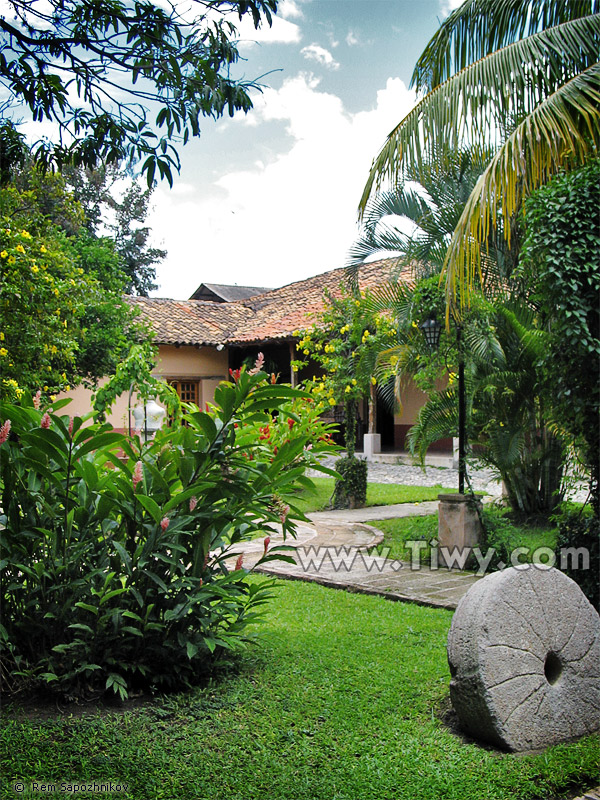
column 378, row 494
column 342, row 700
column 505, row 536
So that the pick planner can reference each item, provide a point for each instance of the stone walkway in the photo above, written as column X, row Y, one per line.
column 337, row 550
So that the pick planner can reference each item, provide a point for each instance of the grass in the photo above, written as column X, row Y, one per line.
column 342, row 700
column 378, row 494
column 504, row 536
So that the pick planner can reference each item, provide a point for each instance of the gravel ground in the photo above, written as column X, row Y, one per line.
column 481, row 479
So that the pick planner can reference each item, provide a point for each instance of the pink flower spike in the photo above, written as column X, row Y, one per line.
column 240, row 561
column 4, row 431
column 138, row 474
column 70, row 429
column 260, row 361
column 267, row 542
column 45, row 423
column 36, row 399
column 285, row 510
column 193, row 503
column 164, row 523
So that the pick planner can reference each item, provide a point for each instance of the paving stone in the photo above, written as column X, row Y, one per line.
column 524, row 655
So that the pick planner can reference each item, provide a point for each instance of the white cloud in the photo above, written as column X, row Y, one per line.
column 351, row 39
column 288, row 9
column 282, row 31
column 314, row 52
column 447, row 6
column 285, row 220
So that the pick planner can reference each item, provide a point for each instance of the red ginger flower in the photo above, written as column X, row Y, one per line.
column 45, row 423
column 266, row 543
column 36, row 399
column 138, row 474
column 260, row 361
column 4, row 431
column 164, row 523
column 240, row 561
column 193, row 503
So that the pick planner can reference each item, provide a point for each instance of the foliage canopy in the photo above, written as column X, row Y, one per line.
column 125, row 62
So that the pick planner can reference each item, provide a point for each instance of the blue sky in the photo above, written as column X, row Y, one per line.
column 270, row 198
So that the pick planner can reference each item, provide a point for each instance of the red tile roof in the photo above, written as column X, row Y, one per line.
column 271, row 316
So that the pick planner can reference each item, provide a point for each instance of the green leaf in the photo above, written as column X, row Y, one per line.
column 151, row 507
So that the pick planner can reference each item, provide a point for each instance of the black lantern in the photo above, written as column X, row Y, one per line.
column 431, row 330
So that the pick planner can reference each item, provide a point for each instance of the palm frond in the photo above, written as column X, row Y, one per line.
column 480, row 27
column 560, row 133
column 437, row 419
column 476, row 103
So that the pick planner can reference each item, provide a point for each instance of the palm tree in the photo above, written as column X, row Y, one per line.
column 430, row 202
column 507, row 416
column 520, row 77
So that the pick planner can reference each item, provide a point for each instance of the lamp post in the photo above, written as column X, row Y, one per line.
column 149, row 416
column 432, row 330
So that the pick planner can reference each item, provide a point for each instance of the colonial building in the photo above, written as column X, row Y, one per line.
column 221, row 327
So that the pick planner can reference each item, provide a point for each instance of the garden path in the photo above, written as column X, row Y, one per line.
column 336, row 549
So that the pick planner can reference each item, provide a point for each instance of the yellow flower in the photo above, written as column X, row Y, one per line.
column 373, row 380
column 414, row 325
column 45, row 388
column 353, row 381
column 3, row 254
column 3, row 352
column 348, row 388
column 331, row 401
column 35, row 268
column 11, row 260
column 43, row 249
column 56, row 292
column 19, row 248
column 25, row 234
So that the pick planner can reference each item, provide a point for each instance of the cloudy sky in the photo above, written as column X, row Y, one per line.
column 269, row 198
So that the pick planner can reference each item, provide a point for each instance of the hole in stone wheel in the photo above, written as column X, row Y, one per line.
column 552, row 668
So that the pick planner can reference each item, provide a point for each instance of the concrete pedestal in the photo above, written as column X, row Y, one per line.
column 459, row 528
column 371, row 445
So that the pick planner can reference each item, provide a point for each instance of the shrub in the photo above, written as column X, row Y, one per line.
column 351, row 488
column 117, row 555
column 579, row 531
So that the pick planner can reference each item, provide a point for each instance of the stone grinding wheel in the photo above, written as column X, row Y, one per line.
column 524, row 656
